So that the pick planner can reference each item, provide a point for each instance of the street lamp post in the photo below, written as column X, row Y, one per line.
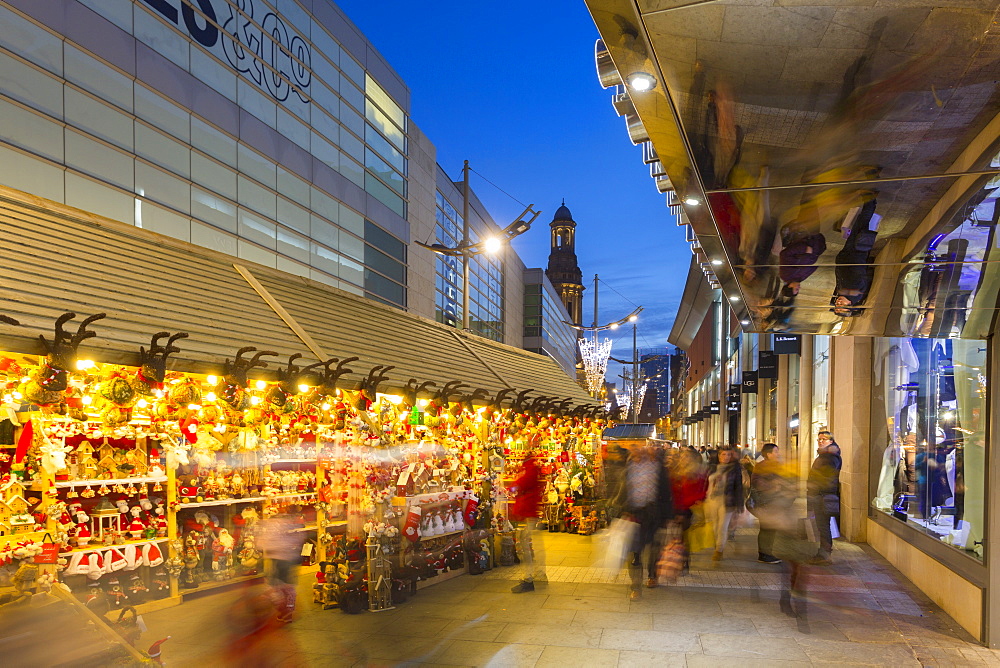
column 466, row 249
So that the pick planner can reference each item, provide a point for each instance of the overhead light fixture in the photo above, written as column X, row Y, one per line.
column 744, row 322
column 641, row 82
column 717, row 262
column 692, row 201
column 734, row 298
column 633, row 318
column 614, row 325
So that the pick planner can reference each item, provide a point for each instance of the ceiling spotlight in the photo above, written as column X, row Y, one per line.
column 716, row 262
column 692, row 201
column 641, row 82
column 734, row 298
column 744, row 322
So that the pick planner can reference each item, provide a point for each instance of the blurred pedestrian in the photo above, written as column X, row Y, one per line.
column 528, row 489
column 725, row 498
column 281, row 539
column 689, row 482
column 648, row 499
column 765, row 490
column 823, row 493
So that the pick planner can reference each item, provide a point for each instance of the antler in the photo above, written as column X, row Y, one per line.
column 518, row 404
column 10, row 321
column 412, row 390
column 334, row 375
column 500, row 396
column 450, row 388
column 478, row 393
column 563, row 405
column 63, row 347
column 369, row 386
column 154, row 360
column 256, row 361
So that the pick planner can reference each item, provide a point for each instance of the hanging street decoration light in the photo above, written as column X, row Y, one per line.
column 595, row 353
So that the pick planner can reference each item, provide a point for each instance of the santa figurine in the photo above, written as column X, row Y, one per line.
column 135, row 528
column 160, row 521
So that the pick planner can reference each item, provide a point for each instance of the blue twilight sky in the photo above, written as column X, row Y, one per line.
column 512, row 87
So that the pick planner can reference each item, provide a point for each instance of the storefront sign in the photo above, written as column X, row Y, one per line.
column 713, row 408
column 787, row 344
column 257, row 44
column 749, row 382
column 767, row 365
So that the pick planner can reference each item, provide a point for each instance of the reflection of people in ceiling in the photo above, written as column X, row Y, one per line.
column 854, row 269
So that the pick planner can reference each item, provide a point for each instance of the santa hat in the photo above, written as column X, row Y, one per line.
column 145, row 503
column 94, row 565
column 77, row 565
column 133, row 558
column 122, row 505
column 151, row 555
column 114, row 560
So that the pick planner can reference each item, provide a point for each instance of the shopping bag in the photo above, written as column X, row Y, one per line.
column 671, row 561
column 700, row 537
column 50, row 551
column 618, row 543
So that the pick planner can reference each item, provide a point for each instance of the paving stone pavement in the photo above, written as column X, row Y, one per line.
column 859, row 612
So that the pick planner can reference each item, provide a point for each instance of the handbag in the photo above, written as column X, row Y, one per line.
column 671, row 561
column 617, row 545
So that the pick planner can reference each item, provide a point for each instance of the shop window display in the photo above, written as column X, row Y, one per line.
column 930, row 395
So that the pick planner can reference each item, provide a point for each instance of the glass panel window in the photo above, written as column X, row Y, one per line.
column 386, row 174
column 382, row 122
column 384, row 102
column 162, row 114
column 383, row 287
column 384, row 241
column 21, row 36
column 929, row 437
column 213, row 141
column 31, row 86
column 383, row 194
column 209, row 174
column 379, row 144
column 162, row 150
column 384, row 264
column 97, row 78
column 94, row 158
column 352, row 69
column 98, row 118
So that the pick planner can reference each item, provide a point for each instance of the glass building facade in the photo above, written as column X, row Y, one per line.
column 546, row 328
column 486, row 278
column 246, row 127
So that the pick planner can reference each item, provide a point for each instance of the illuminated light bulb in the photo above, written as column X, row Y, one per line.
column 325, row 407
column 641, row 82
column 261, row 384
column 422, row 402
column 83, row 365
column 633, row 318
column 158, row 393
column 614, row 325
column 492, row 245
column 194, row 407
column 254, row 401
column 303, row 388
column 8, row 398
column 734, row 298
column 716, row 262
column 692, row 201
column 142, row 403
column 211, row 396
column 25, row 379
column 87, row 400
column 212, row 380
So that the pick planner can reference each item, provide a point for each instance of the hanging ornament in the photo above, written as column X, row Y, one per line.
column 157, row 487
column 119, row 488
column 130, row 490
column 104, row 491
column 71, row 494
column 88, row 493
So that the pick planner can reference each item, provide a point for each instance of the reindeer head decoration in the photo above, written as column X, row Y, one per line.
column 441, row 399
column 61, row 352
column 412, row 390
column 327, row 383
column 235, row 377
column 288, row 383
column 496, row 403
column 519, row 404
column 562, row 407
column 153, row 362
column 369, row 386
column 468, row 401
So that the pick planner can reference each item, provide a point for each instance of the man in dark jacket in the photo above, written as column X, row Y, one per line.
column 648, row 499
column 823, row 490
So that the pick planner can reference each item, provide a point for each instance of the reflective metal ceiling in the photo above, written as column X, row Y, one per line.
column 840, row 158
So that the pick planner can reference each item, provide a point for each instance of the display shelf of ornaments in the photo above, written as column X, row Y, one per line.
column 293, row 461
column 208, row 586
column 115, row 481
column 247, row 499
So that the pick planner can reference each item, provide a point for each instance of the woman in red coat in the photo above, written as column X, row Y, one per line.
column 528, row 489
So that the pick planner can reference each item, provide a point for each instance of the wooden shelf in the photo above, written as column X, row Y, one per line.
column 111, row 481
column 222, row 502
column 293, row 461
column 209, row 586
column 442, row 535
column 99, row 548
column 443, row 577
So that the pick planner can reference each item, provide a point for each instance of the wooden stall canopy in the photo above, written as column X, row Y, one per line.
column 58, row 259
